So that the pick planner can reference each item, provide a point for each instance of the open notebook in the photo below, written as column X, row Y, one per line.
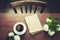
column 33, row 23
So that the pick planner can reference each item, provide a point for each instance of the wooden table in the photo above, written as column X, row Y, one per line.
column 7, row 22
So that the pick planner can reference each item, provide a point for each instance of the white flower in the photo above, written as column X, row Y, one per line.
column 48, row 20
column 45, row 27
column 51, row 32
column 59, row 27
column 11, row 34
column 16, row 37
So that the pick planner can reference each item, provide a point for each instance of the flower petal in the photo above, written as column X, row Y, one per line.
column 58, row 28
column 45, row 27
column 11, row 34
column 51, row 32
column 16, row 37
column 48, row 20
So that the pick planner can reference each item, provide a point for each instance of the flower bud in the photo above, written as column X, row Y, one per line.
column 45, row 27
column 16, row 37
column 51, row 33
column 11, row 34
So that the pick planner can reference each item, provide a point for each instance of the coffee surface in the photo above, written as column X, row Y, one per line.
column 19, row 27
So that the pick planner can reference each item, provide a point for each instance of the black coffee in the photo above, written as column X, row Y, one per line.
column 19, row 27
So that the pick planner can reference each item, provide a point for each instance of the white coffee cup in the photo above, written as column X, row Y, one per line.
column 22, row 25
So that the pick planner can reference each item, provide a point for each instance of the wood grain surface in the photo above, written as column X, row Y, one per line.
column 7, row 22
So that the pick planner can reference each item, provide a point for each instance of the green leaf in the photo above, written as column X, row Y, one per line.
column 48, row 23
column 50, row 17
column 57, row 19
column 11, row 38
